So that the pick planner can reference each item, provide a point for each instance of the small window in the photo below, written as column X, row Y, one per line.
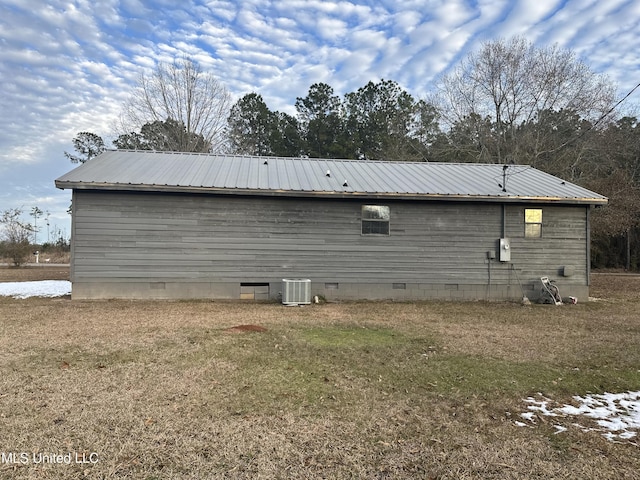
column 375, row 220
column 533, row 222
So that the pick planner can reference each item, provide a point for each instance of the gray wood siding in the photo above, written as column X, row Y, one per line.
column 564, row 243
column 186, row 238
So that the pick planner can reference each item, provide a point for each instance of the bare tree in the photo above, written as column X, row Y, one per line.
column 511, row 82
column 35, row 213
column 183, row 93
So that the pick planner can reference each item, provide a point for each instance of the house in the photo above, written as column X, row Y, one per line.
column 183, row 225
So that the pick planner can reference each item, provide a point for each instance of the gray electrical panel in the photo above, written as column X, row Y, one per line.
column 505, row 250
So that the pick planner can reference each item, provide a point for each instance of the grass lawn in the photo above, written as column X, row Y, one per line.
column 162, row 390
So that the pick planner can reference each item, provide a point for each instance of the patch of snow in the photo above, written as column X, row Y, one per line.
column 559, row 429
column 616, row 414
column 541, row 406
column 528, row 416
column 43, row 288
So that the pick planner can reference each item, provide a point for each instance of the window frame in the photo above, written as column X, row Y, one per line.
column 533, row 229
column 371, row 221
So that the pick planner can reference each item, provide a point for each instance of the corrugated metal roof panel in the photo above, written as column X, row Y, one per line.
column 131, row 170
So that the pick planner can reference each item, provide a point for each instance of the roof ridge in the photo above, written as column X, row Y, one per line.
column 313, row 159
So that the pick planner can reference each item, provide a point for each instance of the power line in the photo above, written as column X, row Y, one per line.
column 619, row 102
column 507, row 175
column 602, row 117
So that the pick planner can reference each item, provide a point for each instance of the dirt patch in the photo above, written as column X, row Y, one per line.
column 246, row 328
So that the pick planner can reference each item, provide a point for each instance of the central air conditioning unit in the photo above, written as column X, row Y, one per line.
column 296, row 291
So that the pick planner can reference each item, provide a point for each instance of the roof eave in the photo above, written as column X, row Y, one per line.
column 504, row 198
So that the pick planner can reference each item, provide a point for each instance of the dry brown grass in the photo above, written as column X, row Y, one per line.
column 29, row 273
column 354, row 390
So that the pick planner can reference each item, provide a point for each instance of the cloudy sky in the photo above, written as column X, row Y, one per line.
column 67, row 66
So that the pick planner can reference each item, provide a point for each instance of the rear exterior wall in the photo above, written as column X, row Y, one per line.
column 152, row 245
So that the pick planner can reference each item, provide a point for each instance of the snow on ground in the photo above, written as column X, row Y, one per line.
column 617, row 415
column 43, row 288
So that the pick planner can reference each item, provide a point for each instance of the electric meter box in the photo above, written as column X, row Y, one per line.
column 505, row 250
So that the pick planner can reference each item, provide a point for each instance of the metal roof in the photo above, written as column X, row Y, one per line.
column 205, row 173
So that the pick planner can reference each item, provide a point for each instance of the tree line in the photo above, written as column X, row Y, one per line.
column 508, row 103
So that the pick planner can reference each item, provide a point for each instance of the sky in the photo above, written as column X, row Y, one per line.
column 68, row 66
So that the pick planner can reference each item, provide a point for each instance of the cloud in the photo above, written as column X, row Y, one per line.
column 331, row 28
column 68, row 66
column 223, row 9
